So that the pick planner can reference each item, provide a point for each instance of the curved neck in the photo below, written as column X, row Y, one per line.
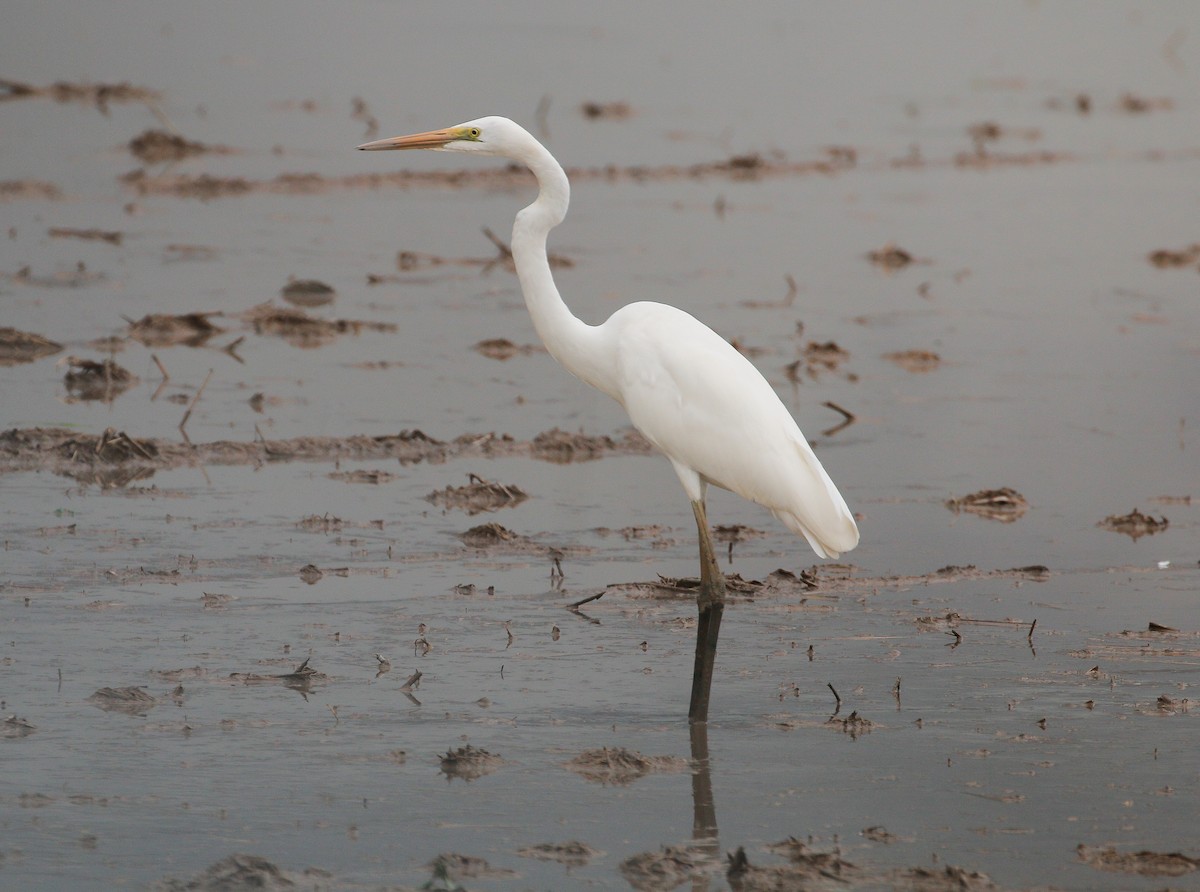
column 577, row 346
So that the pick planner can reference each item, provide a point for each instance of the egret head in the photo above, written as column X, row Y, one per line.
column 484, row 136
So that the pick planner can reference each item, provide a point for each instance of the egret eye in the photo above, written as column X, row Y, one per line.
column 473, row 133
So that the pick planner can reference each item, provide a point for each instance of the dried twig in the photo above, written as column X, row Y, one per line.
column 577, row 604
column 188, row 413
column 848, row 418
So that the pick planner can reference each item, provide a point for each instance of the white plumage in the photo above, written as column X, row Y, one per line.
column 696, row 398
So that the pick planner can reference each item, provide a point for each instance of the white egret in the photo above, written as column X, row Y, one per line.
column 691, row 394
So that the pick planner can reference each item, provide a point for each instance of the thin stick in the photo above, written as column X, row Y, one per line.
column 583, row 601
column 835, row 697
column 1032, row 626
column 188, row 413
column 848, row 416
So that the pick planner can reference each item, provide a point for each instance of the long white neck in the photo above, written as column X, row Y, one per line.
column 578, row 347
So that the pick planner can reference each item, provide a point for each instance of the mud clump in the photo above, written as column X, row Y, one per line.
column 98, row 95
column 502, row 349
column 562, row 448
column 916, row 361
column 301, row 330
column 612, row 111
column 1145, row 863
column 667, row 868
column 165, row 330
column 112, row 237
column 569, row 854
column 891, row 257
column 249, row 872
column 1004, row 504
column 160, row 147
column 132, row 700
column 17, row 347
column 468, row 763
column 29, row 189
column 88, row 380
column 620, row 766
column 110, row 447
column 1166, row 258
column 804, row 867
column 308, row 293
column 816, row 359
column 1135, row 524
column 478, row 496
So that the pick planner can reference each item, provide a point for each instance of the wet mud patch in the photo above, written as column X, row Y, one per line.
column 13, row 189
column 163, row 147
column 1004, row 504
column 100, row 96
column 468, row 763
column 18, row 347
column 109, row 236
column 250, row 872
column 131, row 700
column 302, row 330
column 1143, row 863
column 166, row 330
column 478, row 496
column 620, row 767
column 308, row 293
column 503, row 349
column 1135, row 524
column 916, row 361
column 568, row 854
column 669, row 867
column 88, row 380
column 301, row 678
column 451, row 867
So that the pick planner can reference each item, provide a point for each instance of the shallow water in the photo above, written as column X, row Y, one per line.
column 1067, row 372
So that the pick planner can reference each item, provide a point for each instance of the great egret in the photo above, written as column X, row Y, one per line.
column 689, row 392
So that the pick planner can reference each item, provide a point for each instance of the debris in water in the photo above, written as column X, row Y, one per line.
column 250, row 872
column 452, row 867
column 363, row 476
column 805, row 868
column 1164, row 258
column 469, row 762
column 891, row 257
column 88, row 380
column 1140, row 105
column 1135, row 524
column 853, row 724
column 15, row 727
column 163, row 330
column 28, row 189
column 160, row 147
column 308, row 293
column 607, row 110
column 1004, row 504
column 620, row 766
column 569, row 854
column 87, row 235
column 817, row 358
column 1145, row 863
column 478, row 495
column 668, row 868
column 917, row 361
column 301, row 330
column 22, row 346
column 99, row 95
column 504, row 349
column 133, row 700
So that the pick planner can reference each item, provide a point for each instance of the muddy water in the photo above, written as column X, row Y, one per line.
column 1053, row 358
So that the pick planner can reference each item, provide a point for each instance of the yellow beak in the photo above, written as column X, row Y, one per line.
column 431, row 139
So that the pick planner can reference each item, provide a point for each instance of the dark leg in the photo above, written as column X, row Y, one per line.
column 711, row 604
